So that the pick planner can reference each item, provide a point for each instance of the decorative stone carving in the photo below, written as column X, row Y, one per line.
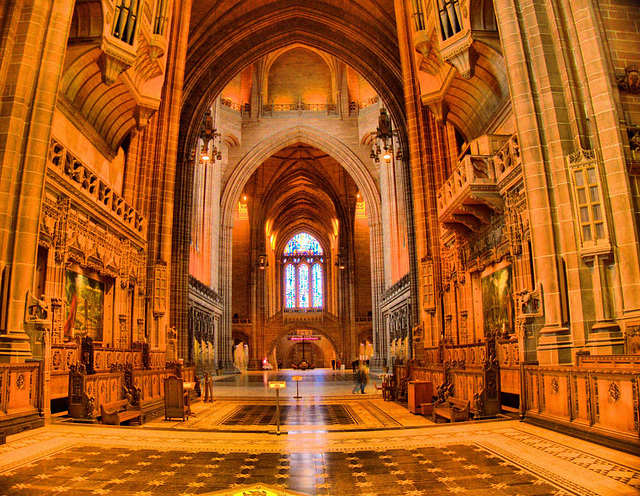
column 461, row 56
column 75, row 177
column 37, row 310
column 555, row 387
column 112, row 63
column 632, row 333
column 630, row 81
column 614, row 392
column 422, row 41
column 634, row 144
column 516, row 220
column 582, row 155
column 508, row 158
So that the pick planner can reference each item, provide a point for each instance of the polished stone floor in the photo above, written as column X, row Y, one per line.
column 320, row 382
column 170, row 458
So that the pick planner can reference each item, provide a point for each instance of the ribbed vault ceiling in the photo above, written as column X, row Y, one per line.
column 226, row 36
column 301, row 188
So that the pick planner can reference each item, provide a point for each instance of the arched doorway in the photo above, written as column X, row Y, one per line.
column 303, row 348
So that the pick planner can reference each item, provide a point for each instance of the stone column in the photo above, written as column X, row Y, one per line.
column 34, row 41
column 528, row 89
column 161, row 191
column 618, row 272
column 257, row 325
column 224, row 338
column 419, row 184
column 377, row 288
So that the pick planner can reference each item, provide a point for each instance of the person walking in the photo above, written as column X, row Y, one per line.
column 356, row 378
column 363, row 378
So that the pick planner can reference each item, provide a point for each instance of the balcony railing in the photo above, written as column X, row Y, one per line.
column 508, row 159
column 329, row 108
column 82, row 178
column 302, row 315
column 472, row 192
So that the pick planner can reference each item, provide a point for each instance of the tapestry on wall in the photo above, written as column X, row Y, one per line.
column 84, row 303
column 497, row 301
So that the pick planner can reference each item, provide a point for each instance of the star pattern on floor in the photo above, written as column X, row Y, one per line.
column 444, row 464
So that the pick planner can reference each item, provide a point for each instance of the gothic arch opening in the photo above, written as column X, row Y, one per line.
column 258, row 208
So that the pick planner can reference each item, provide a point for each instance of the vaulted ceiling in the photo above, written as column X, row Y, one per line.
column 301, row 188
column 226, row 36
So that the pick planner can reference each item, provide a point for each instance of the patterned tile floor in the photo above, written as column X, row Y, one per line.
column 489, row 458
column 293, row 415
column 259, row 415
column 385, row 451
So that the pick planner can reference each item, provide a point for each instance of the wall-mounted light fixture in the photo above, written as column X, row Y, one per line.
column 263, row 261
column 341, row 261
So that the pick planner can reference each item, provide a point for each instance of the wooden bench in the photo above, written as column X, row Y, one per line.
column 119, row 411
column 455, row 410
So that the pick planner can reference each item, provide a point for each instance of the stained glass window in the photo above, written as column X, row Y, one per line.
column 290, row 286
column 317, row 285
column 303, row 244
column 303, row 285
column 303, row 265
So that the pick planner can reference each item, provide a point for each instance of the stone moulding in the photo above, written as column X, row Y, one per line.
column 399, row 287
column 204, row 291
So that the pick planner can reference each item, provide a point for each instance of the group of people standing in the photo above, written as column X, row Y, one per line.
column 361, row 376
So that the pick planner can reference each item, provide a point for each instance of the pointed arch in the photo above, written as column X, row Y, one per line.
column 301, row 134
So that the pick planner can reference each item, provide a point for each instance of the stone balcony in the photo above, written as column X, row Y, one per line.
column 298, row 315
column 473, row 192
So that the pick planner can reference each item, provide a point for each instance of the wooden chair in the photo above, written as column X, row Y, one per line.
column 378, row 388
column 176, row 403
column 402, row 392
column 455, row 410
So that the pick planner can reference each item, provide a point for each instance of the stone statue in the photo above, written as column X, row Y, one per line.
column 37, row 308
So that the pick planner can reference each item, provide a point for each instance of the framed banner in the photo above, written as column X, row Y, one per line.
column 84, row 306
column 497, row 301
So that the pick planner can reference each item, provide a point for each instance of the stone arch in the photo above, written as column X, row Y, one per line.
column 300, row 134
column 356, row 45
column 344, row 156
column 293, row 327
